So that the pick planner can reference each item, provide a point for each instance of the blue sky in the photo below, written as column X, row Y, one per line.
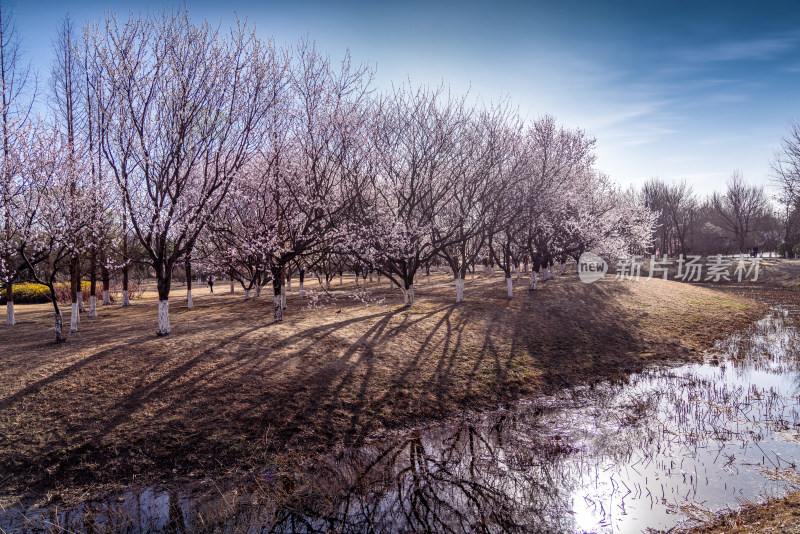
column 681, row 90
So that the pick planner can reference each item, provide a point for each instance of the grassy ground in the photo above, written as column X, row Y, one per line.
column 116, row 405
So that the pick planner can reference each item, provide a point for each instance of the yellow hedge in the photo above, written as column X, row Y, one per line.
column 30, row 293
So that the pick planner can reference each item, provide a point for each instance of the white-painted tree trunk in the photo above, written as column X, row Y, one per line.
column 106, row 298
column 510, row 284
column 301, row 293
column 163, row 318
column 92, row 307
column 233, row 288
column 408, row 295
column 125, row 300
column 356, row 277
column 81, row 307
column 327, row 285
column 518, row 272
column 247, row 294
column 534, row 280
column 189, row 298
column 472, row 277
column 10, row 314
column 74, row 317
column 258, row 290
column 278, row 305
column 59, row 325
column 459, row 289
column 283, row 297
column 340, row 278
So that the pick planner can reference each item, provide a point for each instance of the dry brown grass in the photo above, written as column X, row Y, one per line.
column 116, row 404
column 781, row 516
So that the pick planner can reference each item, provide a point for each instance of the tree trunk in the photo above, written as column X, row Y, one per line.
column 104, row 275
column 510, row 284
column 278, row 307
column 233, row 288
column 247, row 294
column 277, row 290
column 93, row 285
column 459, row 289
column 59, row 324
column 534, row 280
column 125, row 300
column 74, row 287
column 10, row 304
column 188, row 283
column 164, row 283
column 408, row 294
column 302, row 279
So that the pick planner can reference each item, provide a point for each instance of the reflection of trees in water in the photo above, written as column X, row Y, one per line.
column 461, row 479
column 508, row 471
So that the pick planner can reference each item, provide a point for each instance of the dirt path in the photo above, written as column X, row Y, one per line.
column 117, row 405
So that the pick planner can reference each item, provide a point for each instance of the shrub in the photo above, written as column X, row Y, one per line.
column 28, row 293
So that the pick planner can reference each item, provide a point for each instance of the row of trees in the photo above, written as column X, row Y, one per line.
column 736, row 220
column 730, row 222
column 196, row 147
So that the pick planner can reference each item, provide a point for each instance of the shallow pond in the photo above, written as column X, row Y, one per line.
column 654, row 450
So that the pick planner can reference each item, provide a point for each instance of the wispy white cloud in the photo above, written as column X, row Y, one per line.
column 762, row 48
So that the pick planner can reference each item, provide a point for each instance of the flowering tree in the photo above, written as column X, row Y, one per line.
column 490, row 156
column 16, row 105
column 415, row 159
column 184, row 111
column 53, row 220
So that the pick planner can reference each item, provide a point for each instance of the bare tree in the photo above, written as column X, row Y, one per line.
column 738, row 211
column 676, row 208
column 786, row 176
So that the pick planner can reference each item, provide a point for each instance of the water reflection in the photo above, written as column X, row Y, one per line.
column 657, row 449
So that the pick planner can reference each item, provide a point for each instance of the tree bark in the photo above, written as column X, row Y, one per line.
column 188, row 283
column 10, row 321
column 74, row 282
column 93, row 285
column 104, row 274
column 164, row 282
column 277, row 291
column 459, row 289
